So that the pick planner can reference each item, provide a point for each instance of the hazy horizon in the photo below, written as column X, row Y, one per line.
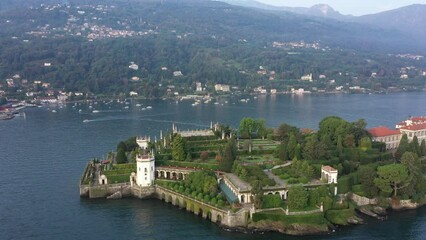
column 349, row 7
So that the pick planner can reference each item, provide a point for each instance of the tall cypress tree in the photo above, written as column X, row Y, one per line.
column 403, row 147
column 415, row 146
column 423, row 148
column 178, row 148
column 229, row 156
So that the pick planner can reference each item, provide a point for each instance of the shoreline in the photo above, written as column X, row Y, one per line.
column 124, row 190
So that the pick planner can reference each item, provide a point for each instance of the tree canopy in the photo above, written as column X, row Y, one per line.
column 391, row 178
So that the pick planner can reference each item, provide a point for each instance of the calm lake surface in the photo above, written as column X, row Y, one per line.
column 43, row 155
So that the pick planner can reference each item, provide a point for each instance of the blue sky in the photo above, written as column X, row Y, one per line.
column 354, row 7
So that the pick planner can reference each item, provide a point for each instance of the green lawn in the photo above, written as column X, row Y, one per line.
column 276, row 215
column 340, row 217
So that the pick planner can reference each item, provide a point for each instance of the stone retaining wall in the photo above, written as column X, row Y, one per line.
column 405, row 204
column 207, row 211
column 361, row 201
column 103, row 191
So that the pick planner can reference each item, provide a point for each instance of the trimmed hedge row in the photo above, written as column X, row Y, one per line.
column 200, row 138
column 213, row 167
column 256, row 152
column 118, row 178
column 124, row 166
column 208, row 142
column 206, row 148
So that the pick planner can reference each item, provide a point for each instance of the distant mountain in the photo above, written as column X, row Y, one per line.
column 410, row 20
column 324, row 10
column 318, row 10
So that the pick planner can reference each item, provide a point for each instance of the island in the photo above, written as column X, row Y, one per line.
column 285, row 179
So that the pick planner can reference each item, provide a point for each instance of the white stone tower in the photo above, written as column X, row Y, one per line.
column 145, row 164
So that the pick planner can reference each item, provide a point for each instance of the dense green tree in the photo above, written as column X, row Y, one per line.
column 349, row 141
column 229, row 156
column 331, row 127
column 281, row 152
column 318, row 195
column 257, row 191
column 291, row 146
column 298, row 151
column 121, row 156
column 403, row 147
column 202, row 182
column 282, row 133
column 391, row 178
column 423, row 148
column 178, row 148
column 358, row 129
column 314, row 149
column 297, row 198
column 366, row 176
column 262, row 131
column 131, row 144
column 415, row 146
column 365, row 143
column 123, row 146
column 339, row 146
column 413, row 164
column 247, row 127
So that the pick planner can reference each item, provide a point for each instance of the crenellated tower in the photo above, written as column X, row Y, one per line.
column 145, row 163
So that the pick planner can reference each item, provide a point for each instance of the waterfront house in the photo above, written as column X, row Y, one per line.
column 221, row 87
column 391, row 137
column 414, row 126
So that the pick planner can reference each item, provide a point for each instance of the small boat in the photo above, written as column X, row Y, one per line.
column 216, row 103
column 79, row 110
column 95, row 111
column 138, row 105
column 126, row 107
column 143, row 109
column 149, row 107
column 53, row 110
column 86, row 120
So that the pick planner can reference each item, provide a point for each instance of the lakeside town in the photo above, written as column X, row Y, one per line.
column 285, row 179
column 51, row 75
column 17, row 93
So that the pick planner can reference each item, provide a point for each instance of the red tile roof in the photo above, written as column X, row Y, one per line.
column 414, row 120
column 328, row 169
column 415, row 127
column 418, row 119
column 383, row 132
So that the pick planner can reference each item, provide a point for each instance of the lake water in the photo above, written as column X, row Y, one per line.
column 43, row 155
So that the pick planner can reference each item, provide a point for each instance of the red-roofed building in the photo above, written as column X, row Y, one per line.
column 411, row 121
column 391, row 137
column 418, row 130
column 414, row 126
